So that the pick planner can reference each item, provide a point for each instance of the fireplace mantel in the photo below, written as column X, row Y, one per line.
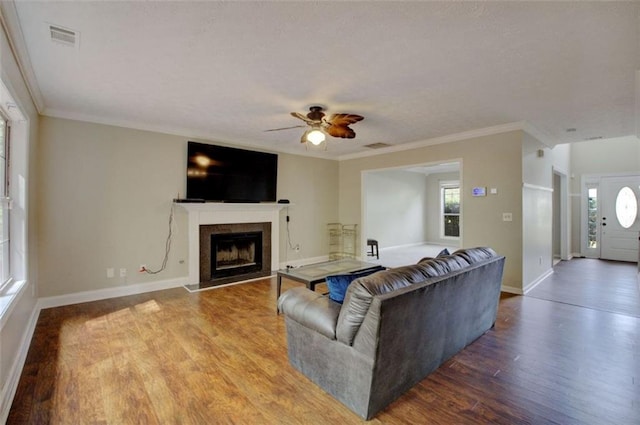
column 223, row 206
column 228, row 213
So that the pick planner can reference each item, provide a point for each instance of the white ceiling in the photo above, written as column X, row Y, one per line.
column 417, row 71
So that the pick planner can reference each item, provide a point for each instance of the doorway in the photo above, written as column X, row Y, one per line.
column 402, row 206
column 611, row 217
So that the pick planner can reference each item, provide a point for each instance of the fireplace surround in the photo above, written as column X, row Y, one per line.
column 234, row 251
column 224, row 214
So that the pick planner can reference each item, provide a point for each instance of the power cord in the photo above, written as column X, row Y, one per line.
column 167, row 248
column 291, row 246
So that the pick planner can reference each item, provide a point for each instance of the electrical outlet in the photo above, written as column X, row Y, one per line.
column 110, row 273
column 123, row 272
column 507, row 217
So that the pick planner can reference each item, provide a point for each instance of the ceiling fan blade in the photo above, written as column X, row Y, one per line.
column 302, row 117
column 343, row 132
column 343, row 120
column 286, row 128
column 303, row 139
column 338, row 125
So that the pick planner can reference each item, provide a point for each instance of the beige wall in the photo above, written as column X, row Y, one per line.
column 310, row 184
column 105, row 195
column 490, row 161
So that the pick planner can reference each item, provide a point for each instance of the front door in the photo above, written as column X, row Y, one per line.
column 619, row 218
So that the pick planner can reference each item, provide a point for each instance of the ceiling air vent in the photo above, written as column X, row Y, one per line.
column 377, row 145
column 63, row 35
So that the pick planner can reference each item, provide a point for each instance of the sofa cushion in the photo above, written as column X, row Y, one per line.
column 474, row 255
column 310, row 309
column 360, row 294
column 338, row 283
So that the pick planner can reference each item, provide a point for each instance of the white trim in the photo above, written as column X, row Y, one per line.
column 449, row 184
column 304, row 261
column 511, row 290
column 8, row 304
column 481, row 132
column 103, row 294
column 228, row 284
column 15, row 371
column 536, row 187
column 229, row 213
column 9, row 19
column 536, row 282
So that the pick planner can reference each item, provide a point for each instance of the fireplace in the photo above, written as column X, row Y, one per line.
column 218, row 213
column 234, row 252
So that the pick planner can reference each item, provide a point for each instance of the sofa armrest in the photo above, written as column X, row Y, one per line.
column 311, row 309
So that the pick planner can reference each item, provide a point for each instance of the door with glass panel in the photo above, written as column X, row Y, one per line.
column 619, row 218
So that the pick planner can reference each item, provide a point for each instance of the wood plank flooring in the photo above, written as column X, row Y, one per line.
column 219, row 357
column 599, row 284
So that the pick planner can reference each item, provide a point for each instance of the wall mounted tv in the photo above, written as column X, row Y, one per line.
column 224, row 174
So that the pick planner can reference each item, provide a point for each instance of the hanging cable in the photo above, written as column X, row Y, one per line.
column 167, row 247
column 288, row 232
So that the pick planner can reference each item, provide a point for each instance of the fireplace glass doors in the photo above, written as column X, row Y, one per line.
column 234, row 252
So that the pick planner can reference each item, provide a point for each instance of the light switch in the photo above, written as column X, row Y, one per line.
column 507, row 217
column 493, row 191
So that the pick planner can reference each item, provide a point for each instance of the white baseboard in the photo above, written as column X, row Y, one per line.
column 13, row 377
column 414, row 244
column 540, row 278
column 511, row 290
column 304, row 261
column 103, row 294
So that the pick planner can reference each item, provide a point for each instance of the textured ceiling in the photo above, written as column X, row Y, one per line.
column 227, row 71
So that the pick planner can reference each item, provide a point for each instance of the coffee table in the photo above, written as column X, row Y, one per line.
column 317, row 273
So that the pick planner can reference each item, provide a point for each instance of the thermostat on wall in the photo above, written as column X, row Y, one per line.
column 479, row 191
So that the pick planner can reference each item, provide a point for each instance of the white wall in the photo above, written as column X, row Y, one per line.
column 538, row 164
column 395, row 212
column 609, row 156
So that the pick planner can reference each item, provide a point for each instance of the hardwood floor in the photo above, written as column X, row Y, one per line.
column 219, row 357
column 599, row 284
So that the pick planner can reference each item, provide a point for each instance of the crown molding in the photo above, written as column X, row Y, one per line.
column 13, row 31
column 481, row 132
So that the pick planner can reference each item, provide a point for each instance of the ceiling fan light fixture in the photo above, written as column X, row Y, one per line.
column 316, row 136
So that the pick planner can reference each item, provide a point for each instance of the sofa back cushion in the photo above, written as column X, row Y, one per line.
column 360, row 293
column 338, row 283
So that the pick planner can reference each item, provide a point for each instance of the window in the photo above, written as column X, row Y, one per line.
column 450, row 202
column 592, row 217
column 626, row 207
column 4, row 201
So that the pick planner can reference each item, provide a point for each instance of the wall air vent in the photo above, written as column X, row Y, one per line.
column 64, row 36
column 377, row 145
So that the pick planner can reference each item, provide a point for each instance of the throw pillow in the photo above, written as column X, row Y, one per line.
column 443, row 253
column 339, row 283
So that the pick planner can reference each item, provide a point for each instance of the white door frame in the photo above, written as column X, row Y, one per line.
column 592, row 180
column 565, row 236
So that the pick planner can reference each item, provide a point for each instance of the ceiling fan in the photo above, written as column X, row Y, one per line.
column 337, row 125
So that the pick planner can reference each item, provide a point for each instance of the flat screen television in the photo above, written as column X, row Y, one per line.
column 225, row 174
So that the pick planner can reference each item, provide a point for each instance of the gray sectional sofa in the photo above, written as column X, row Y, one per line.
column 394, row 327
